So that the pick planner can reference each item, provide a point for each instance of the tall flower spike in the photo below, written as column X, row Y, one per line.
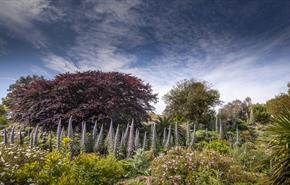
column 221, row 130
column 31, row 138
column 35, row 136
column 130, row 147
column 5, row 137
column 238, row 142
column 164, row 136
column 20, row 137
column 137, row 141
column 95, row 131
column 168, row 137
column 216, row 123
column 12, row 135
column 176, row 135
column 193, row 137
column 145, row 141
column 70, row 128
column 153, row 139
column 99, row 142
column 58, row 135
column 83, row 137
column 110, row 138
column 116, row 141
column 188, row 138
column 125, row 136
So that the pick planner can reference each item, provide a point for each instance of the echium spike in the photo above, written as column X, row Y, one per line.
column 136, row 141
column 176, row 135
column 31, row 138
column 83, row 137
column 216, row 123
column 238, row 142
column 58, row 135
column 193, row 135
column 145, row 141
column 35, row 136
column 188, row 138
column 130, row 146
column 167, row 144
column 110, row 138
column 12, row 135
column 153, row 139
column 20, row 137
column 164, row 136
column 221, row 130
column 70, row 129
column 5, row 137
column 125, row 136
column 95, row 131
column 116, row 141
column 99, row 142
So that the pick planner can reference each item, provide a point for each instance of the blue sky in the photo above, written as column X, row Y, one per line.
column 241, row 47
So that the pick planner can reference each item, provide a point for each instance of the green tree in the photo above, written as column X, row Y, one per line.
column 260, row 113
column 278, row 104
column 3, row 115
column 191, row 99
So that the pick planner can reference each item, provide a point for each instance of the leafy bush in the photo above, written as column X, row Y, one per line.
column 184, row 166
column 217, row 145
column 139, row 163
column 58, row 168
column 13, row 157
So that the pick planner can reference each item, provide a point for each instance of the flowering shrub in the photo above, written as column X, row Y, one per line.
column 184, row 166
column 217, row 145
column 13, row 157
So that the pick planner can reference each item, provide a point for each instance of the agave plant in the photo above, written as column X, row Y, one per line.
column 278, row 134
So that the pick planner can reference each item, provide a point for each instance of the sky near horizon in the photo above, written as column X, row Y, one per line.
column 242, row 48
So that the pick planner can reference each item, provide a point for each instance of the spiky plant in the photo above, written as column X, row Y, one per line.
column 116, row 141
column 154, row 139
column 83, row 137
column 193, row 136
column 20, row 137
column 176, row 134
column 278, row 137
column 5, row 133
column 137, row 140
column 12, row 135
column 252, row 117
column 110, row 138
column 130, row 146
column 164, row 135
column 35, row 135
column 221, row 130
column 167, row 144
column 125, row 137
column 70, row 129
column 238, row 141
column 95, row 131
column 31, row 138
column 99, row 143
column 145, row 141
column 216, row 123
column 58, row 135
column 188, row 138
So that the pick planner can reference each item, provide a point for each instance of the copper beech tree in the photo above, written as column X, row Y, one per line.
column 86, row 96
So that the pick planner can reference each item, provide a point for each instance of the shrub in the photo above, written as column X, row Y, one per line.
column 13, row 157
column 216, row 145
column 184, row 166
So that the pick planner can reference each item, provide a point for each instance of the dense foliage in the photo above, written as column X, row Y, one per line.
column 193, row 100
column 181, row 166
column 87, row 95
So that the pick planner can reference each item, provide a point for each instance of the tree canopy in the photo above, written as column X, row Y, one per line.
column 191, row 99
column 85, row 96
column 278, row 104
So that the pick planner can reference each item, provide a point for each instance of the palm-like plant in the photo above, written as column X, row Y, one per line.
column 279, row 134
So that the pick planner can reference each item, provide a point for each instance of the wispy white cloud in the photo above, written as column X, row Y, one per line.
column 19, row 17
